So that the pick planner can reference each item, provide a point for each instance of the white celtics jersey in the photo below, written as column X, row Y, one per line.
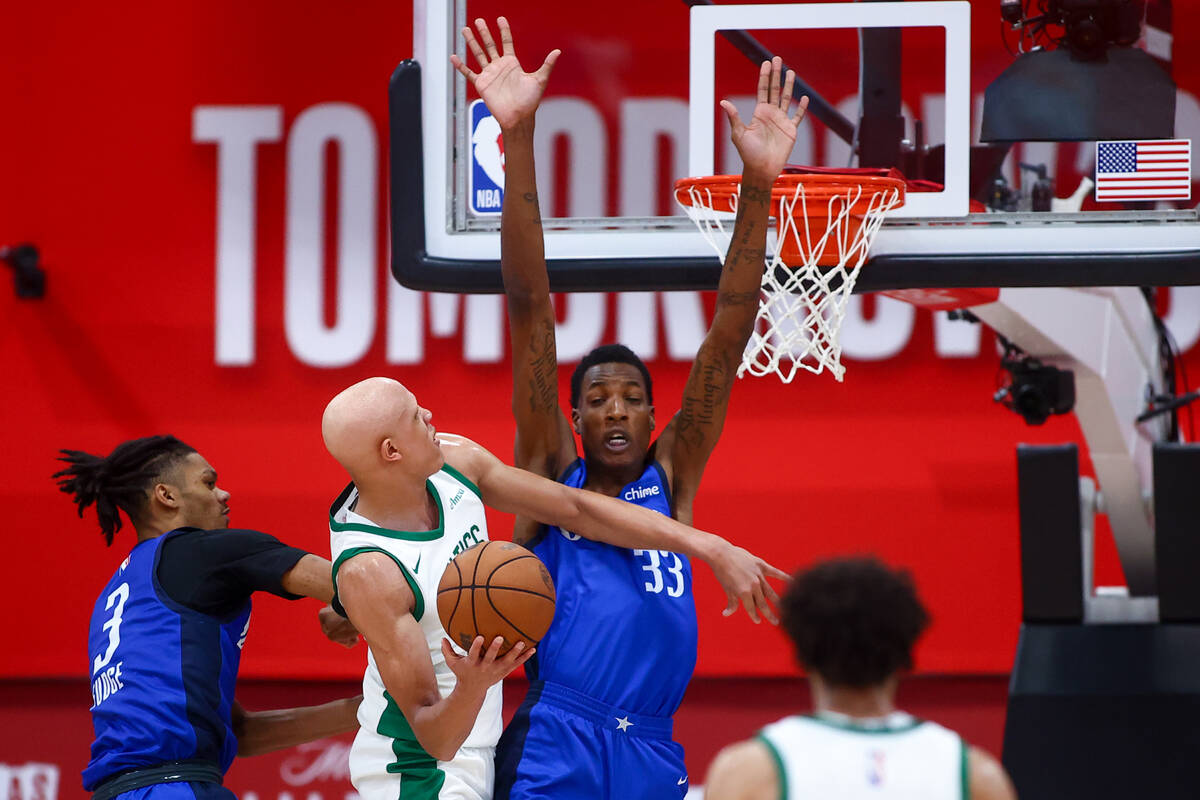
column 385, row 738
column 892, row 758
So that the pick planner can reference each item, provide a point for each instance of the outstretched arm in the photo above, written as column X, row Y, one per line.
column 764, row 144
column 607, row 519
column 380, row 605
column 261, row 732
column 543, row 443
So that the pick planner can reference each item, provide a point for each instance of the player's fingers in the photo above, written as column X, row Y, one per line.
column 493, row 650
column 506, row 42
column 730, row 605
column 751, row 608
column 476, row 648
column 789, row 83
column 800, row 111
column 473, row 46
column 448, row 651
column 525, row 656
column 513, row 656
column 735, row 121
column 769, row 592
column 764, row 608
column 764, row 80
column 543, row 73
column 773, row 93
column 774, row 572
column 489, row 44
column 462, row 68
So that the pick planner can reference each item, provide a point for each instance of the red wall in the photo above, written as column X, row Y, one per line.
column 909, row 458
column 714, row 713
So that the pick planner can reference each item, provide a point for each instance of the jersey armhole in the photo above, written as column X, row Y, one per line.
column 778, row 759
column 418, row 599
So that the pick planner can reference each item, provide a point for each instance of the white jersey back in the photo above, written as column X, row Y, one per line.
column 422, row 556
column 892, row 758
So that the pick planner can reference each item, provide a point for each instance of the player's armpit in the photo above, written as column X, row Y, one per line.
column 311, row 577
column 743, row 771
column 986, row 777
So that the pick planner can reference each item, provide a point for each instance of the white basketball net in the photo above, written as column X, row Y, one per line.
column 803, row 304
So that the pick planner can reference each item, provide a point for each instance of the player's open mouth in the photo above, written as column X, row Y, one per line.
column 616, row 441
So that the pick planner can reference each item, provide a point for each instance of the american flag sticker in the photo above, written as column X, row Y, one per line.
column 1151, row 170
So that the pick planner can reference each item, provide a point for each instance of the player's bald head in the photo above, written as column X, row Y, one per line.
column 360, row 417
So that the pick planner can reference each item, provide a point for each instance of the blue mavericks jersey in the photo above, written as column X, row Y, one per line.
column 162, row 674
column 624, row 629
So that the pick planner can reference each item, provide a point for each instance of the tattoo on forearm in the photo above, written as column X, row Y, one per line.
column 698, row 412
column 738, row 298
column 755, row 194
column 543, row 372
column 532, row 199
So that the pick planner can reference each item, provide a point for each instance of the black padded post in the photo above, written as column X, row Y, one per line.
column 1051, row 533
column 1177, row 530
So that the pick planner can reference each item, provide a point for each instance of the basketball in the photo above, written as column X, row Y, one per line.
column 496, row 589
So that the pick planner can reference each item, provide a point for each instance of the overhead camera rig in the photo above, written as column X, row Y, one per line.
column 1089, row 26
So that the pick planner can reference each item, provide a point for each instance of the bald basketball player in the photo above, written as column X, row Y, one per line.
column 430, row 717
column 853, row 623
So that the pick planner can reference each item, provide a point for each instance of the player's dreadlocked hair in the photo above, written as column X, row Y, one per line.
column 608, row 354
column 853, row 620
column 119, row 480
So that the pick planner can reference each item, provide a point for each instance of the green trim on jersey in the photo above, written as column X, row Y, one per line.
column 420, row 778
column 778, row 758
column 966, row 775
column 862, row 728
column 463, row 479
column 346, row 555
column 410, row 536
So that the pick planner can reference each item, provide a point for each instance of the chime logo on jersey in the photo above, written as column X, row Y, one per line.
column 486, row 191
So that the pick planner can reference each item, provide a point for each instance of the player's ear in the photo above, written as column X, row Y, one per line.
column 166, row 494
column 389, row 451
column 651, row 417
column 575, row 422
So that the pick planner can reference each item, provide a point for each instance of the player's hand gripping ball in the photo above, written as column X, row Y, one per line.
column 496, row 589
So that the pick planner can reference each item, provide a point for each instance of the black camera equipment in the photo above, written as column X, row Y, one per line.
column 1033, row 389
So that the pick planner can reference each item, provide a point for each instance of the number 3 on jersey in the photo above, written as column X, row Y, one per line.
column 113, row 626
column 655, row 561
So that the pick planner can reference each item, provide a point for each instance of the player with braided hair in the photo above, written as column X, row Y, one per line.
column 167, row 630
column 853, row 622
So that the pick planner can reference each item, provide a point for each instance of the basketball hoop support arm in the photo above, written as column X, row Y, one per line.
column 1106, row 336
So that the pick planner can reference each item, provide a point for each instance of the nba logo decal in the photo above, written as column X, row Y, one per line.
column 486, row 191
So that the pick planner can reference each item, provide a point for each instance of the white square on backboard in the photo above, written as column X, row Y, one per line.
column 953, row 15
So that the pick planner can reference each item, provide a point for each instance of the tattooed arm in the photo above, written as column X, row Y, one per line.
column 544, row 443
column 764, row 145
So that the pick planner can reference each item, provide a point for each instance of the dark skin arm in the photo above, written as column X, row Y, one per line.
column 544, row 444
column 764, row 145
column 261, row 732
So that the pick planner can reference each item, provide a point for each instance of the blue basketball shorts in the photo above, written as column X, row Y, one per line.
column 179, row 790
column 563, row 745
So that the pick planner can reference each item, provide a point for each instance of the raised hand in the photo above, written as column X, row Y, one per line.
column 743, row 576
column 511, row 93
column 766, row 142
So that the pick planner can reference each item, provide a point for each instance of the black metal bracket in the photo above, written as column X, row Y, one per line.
column 29, row 279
